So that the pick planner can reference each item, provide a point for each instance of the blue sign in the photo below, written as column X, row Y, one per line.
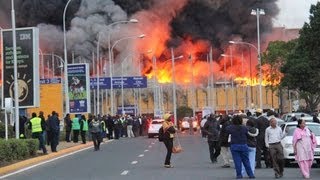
column 78, row 88
column 128, row 109
column 50, row 81
column 128, row 82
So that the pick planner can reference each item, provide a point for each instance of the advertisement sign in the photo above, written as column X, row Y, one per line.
column 78, row 88
column 27, row 64
column 128, row 82
column 51, row 97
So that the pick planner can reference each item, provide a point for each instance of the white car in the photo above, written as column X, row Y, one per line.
column 185, row 124
column 154, row 127
column 287, row 141
column 287, row 117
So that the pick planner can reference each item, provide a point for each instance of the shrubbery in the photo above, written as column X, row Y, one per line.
column 17, row 149
column 2, row 130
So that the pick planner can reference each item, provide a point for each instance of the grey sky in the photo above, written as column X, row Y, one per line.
column 293, row 13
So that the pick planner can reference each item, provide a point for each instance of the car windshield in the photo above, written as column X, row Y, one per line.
column 314, row 128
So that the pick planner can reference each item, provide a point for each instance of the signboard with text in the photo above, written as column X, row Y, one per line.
column 128, row 82
column 78, row 88
column 27, row 43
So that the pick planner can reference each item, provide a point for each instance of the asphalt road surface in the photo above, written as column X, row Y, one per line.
column 142, row 159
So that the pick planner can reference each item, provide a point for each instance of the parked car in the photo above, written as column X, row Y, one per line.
column 286, row 142
column 154, row 127
column 185, row 124
column 288, row 117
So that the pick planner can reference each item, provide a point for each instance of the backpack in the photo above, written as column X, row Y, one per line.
column 161, row 134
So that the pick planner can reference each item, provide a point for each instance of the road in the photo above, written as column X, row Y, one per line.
column 142, row 158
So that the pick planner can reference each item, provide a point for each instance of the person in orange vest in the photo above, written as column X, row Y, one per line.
column 37, row 126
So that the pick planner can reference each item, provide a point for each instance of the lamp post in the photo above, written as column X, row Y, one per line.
column 259, row 61
column 232, row 84
column 15, row 69
column 258, row 12
column 174, row 87
column 110, row 66
column 98, row 52
column 65, row 57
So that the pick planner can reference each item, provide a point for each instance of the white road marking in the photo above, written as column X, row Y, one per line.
column 141, row 155
column 45, row 162
column 146, row 150
column 150, row 146
column 134, row 162
column 125, row 172
column 152, row 143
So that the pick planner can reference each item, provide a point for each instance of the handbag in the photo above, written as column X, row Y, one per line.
column 177, row 148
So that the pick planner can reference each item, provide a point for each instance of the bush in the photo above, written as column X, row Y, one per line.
column 17, row 149
column 2, row 130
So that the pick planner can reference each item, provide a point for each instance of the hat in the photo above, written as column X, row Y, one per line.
column 259, row 111
column 166, row 116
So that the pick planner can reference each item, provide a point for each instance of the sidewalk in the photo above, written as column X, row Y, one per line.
column 63, row 148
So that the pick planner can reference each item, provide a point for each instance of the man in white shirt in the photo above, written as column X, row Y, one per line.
column 273, row 136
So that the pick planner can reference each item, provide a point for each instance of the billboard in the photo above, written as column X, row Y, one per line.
column 128, row 109
column 27, row 65
column 78, row 88
column 128, row 82
column 51, row 97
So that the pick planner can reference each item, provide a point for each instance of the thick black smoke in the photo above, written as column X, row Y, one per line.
column 33, row 12
column 132, row 6
column 221, row 20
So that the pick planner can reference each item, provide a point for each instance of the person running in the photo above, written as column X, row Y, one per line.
column 273, row 138
column 212, row 129
column 239, row 148
column 304, row 142
column 169, row 131
column 95, row 128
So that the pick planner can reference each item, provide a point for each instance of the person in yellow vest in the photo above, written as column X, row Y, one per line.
column 37, row 126
column 76, row 128
column 83, row 128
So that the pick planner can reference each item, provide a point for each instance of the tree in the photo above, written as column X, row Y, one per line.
column 302, row 67
column 273, row 59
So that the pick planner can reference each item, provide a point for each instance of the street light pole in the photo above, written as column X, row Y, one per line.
column 257, row 13
column 65, row 58
column 15, row 70
column 111, row 64
column 259, row 61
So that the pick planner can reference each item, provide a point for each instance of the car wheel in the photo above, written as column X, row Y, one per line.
column 318, row 161
column 287, row 163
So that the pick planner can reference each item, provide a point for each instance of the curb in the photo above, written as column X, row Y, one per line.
column 29, row 162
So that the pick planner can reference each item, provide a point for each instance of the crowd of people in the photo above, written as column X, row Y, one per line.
column 247, row 138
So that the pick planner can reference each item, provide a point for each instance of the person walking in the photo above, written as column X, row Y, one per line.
column 54, row 126
column 37, row 126
column 239, row 148
column 224, row 141
column 273, row 138
column 252, row 144
column 68, row 125
column 262, row 123
column 304, row 142
column 110, row 126
column 76, row 128
column 169, row 131
column 83, row 128
column 95, row 128
column 212, row 129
